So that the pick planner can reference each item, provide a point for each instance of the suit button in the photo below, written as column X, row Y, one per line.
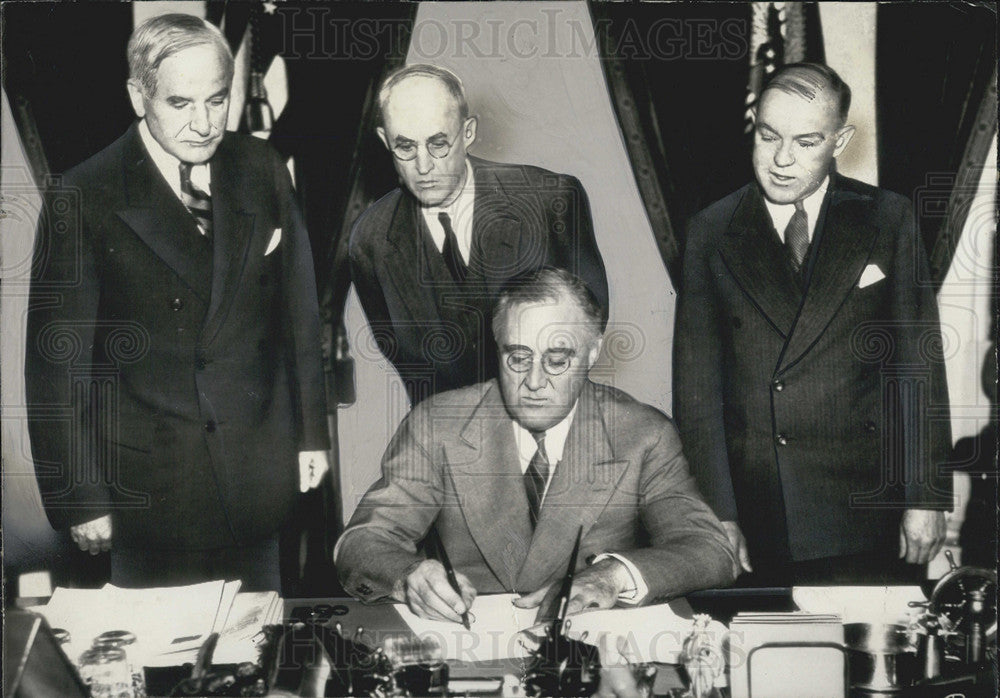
column 210, row 426
column 737, row 323
column 177, row 304
column 871, row 427
column 200, row 362
column 779, row 385
column 782, row 439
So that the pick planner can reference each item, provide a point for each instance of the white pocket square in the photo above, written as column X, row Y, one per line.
column 275, row 239
column 871, row 275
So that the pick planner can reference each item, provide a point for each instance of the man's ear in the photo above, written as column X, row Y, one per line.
column 382, row 137
column 844, row 136
column 135, row 95
column 595, row 351
column 469, row 131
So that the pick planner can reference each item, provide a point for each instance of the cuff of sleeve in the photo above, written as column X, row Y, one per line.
column 638, row 590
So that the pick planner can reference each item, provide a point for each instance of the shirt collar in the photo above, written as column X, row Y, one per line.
column 169, row 166
column 462, row 204
column 781, row 214
column 555, row 440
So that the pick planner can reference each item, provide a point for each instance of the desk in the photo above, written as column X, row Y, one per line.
column 381, row 620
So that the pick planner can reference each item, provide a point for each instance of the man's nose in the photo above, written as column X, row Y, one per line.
column 200, row 123
column 424, row 161
column 537, row 378
column 783, row 155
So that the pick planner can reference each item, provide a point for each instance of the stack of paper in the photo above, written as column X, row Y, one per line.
column 170, row 623
column 789, row 672
column 239, row 638
column 862, row 604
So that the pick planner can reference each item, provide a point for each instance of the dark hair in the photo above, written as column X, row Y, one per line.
column 447, row 78
column 548, row 284
column 808, row 80
column 158, row 38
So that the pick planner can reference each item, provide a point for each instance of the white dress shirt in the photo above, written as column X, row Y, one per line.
column 460, row 212
column 555, row 444
column 170, row 167
column 782, row 213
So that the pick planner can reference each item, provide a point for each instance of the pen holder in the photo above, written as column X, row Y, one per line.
column 563, row 667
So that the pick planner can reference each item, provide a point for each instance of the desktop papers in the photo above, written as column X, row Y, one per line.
column 495, row 627
column 170, row 623
column 862, row 604
column 757, row 668
column 647, row 634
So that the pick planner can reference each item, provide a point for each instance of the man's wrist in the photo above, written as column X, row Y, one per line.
column 630, row 586
column 399, row 586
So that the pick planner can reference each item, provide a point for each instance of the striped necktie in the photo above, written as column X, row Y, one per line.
column 535, row 478
column 199, row 203
column 797, row 235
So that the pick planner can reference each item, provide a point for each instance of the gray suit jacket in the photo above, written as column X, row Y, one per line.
column 453, row 464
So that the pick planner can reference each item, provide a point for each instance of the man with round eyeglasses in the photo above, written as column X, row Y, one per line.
column 505, row 473
column 428, row 258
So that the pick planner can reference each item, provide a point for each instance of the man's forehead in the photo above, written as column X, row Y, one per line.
column 191, row 68
column 420, row 101
column 776, row 101
column 549, row 324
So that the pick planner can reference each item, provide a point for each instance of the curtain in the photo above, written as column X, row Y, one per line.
column 682, row 78
column 935, row 66
column 327, row 126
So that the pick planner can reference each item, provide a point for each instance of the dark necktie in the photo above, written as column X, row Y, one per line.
column 797, row 235
column 535, row 478
column 199, row 203
column 452, row 255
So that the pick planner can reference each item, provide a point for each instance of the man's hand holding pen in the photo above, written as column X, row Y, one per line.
column 429, row 593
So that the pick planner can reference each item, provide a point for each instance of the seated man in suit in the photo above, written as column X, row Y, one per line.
column 428, row 258
column 505, row 472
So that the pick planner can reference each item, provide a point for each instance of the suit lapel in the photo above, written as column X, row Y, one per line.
column 484, row 467
column 406, row 263
column 752, row 252
column 156, row 215
column 232, row 233
column 497, row 229
column 580, row 488
column 845, row 245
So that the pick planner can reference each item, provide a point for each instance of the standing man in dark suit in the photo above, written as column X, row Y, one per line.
column 505, row 472
column 174, row 375
column 810, row 389
column 428, row 258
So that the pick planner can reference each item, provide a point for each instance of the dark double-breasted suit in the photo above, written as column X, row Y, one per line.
column 172, row 378
column 453, row 465
column 813, row 415
column 435, row 331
